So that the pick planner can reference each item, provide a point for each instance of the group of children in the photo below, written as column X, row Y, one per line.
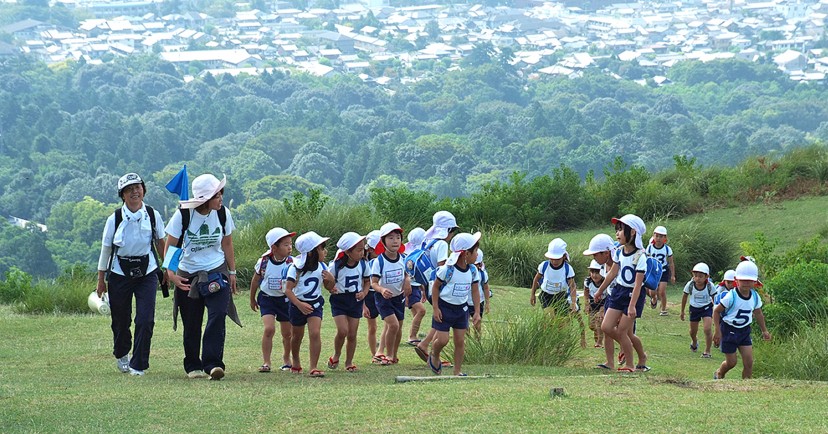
column 368, row 278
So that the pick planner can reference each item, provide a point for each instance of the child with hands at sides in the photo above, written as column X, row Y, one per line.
column 392, row 284
column 602, row 248
column 483, row 287
column 271, row 301
column 369, row 307
column 351, row 272
column 595, row 309
column 305, row 277
column 728, row 282
column 732, row 318
column 414, row 302
column 659, row 250
column 700, row 291
column 456, row 281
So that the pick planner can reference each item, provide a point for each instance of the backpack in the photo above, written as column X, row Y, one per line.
column 361, row 268
column 546, row 267
column 654, row 270
column 185, row 222
column 418, row 265
column 266, row 260
column 450, row 274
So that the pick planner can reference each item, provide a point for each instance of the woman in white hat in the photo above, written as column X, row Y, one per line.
column 129, row 264
column 206, row 275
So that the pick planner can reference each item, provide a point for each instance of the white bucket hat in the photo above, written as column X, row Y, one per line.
column 593, row 265
column 385, row 230
column 701, row 267
column 274, row 235
column 346, row 242
column 557, row 249
column 747, row 270
column 460, row 243
column 637, row 224
column 373, row 239
column 600, row 243
column 416, row 237
column 661, row 230
column 479, row 259
column 442, row 222
column 128, row 179
column 305, row 243
column 204, row 188
column 730, row 275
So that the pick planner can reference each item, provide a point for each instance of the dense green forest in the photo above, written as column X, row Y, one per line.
column 68, row 131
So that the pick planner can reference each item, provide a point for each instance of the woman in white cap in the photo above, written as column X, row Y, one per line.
column 269, row 280
column 202, row 227
column 305, row 279
column 658, row 249
column 352, row 276
column 131, row 237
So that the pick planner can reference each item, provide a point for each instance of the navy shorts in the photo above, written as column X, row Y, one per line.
column 297, row 318
column 697, row 313
column 559, row 302
column 734, row 337
column 391, row 306
column 346, row 304
column 595, row 307
column 276, row 306
column 665, row 275
column 415, row 297
column 454, row 317
column 620, row 300
column 372, row 305
column 482, row 308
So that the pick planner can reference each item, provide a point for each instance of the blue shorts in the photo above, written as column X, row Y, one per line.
column 559, row 302
column 620, row 300
column 734, row 337
column 482, row 308
column 454, row 317
column 346, row 304
column 697, row 313
column 390, row 306
column 276, row 306
column 665, row 275
column 415, row 297
column 370, row 302
column 297, row 318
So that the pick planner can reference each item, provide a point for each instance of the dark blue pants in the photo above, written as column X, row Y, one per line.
column 121, row 291
column 210, row 346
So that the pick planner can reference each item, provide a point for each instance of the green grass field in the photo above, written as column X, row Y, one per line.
column 58, row 374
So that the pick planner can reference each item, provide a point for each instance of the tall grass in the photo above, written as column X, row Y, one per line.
column 693, row 242
column 65, row 294
column 532, row 338
column 802, row 356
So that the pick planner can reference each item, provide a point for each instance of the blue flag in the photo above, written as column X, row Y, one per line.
column 180, row 185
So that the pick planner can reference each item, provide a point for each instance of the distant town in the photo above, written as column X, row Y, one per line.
column 388, row 46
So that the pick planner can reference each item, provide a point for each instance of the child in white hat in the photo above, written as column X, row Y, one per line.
column 732, row 318
column 414, row 302
column 369, row 307
column 350, row 269
column 658, row 249
column 305, row 279
column 700, row 291
column 483, row 291
column 595, row 309
column 728, row 282
column 556, row 279
column 392, row 284
column 602, row 249
column 271, row 302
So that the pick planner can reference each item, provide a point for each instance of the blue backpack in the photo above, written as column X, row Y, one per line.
column 418, row 265
column 654, row 270
column 543, row 273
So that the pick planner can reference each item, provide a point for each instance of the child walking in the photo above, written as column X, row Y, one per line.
column 369, row 307
column 659, row 250
column 483, row 291
column 727, row 283
column 304, row 278
column 414, row 302
column 456, row 281
column 351, row 273
column 595, row 309
column 732, row 319
column 392, row 284
column 602, row 249
column 271, row 302
column 700, row 291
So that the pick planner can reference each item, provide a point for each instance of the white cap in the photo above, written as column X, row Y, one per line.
column 593, row 265
column 730, row 275
column 204, row 188
column 460, row 243
column 373, row 239
column 661, row 230
column 747, row 270
column 557, row 249
column 635, row 223
column 128, row 179
column 441, row 223
column 416, row 237
column 274, row 235
column 600, row 243
column 701, row 267
column 346, row 242
column 385, row 230
column 479, row 259
column 305, row 243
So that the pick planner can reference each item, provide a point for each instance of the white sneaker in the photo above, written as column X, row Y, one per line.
column 123, row 364
column 135, row 372
column 196, row 374
column 216, row 373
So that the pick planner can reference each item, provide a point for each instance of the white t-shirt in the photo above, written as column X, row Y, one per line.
column 438, row 252
column 659, row 254
column 137, row 236
column 202, row 243
column 627, row 268
column 350, row 279
column 593, row 288
column 391, row 274
column 699, row 297
column 484, row 279
column 555, row 280
column 457, row 290
column 309, row 285
column 738, row 310
column 275, row 275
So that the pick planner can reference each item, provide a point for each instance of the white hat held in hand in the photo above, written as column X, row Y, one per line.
column 204, row 188
column 305, row 243
column 461, row 243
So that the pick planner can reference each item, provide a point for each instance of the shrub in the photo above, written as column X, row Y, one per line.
column 800, row 356
column 656, row 200
column 65, row 294
column 532, row 338
column 799, row 298
column 17, row 282
column 695, row 242
column 404, row 206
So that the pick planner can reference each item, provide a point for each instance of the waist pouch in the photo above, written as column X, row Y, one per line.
column 215, row 282
column 134, row 266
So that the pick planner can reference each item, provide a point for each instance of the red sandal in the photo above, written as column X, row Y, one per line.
column 333, row 364
column 316, row 373
column 296, row 370
column 351, row 368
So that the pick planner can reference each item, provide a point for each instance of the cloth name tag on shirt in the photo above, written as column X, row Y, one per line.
column 394, row 276
column 553, row 286
column 274, row 283
column 461, row 289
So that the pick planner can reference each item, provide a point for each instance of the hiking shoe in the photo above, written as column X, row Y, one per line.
column 123, row 364
column 196, row 374
column 216, row 373
column 135, row 372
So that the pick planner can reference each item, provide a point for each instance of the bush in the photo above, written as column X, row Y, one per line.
column 534, row 338
column 65, row 294
column 801, row 356
column 694, row 243
column 771, row 263
column 799, row 298
column 656, row 200
column 404, row 206
column 17, row 282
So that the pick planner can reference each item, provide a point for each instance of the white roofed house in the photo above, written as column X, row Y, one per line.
column 213, row 58
column 790, row 61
